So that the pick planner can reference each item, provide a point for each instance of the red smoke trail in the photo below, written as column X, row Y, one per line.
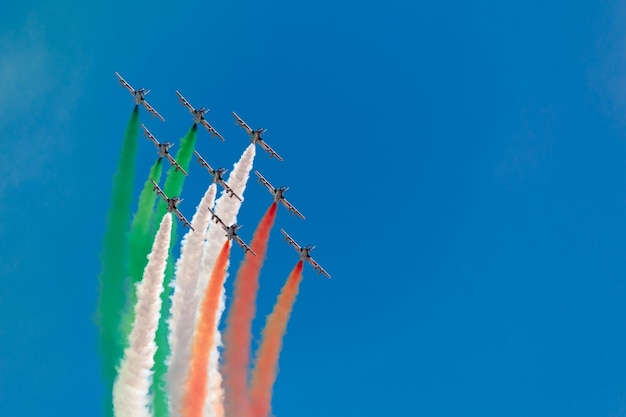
column 237, row 337
column 195, row 393
column 266, row 363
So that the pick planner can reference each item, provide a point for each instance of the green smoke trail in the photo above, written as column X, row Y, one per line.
column 112, row 278
column 173, row 188
column 140, row 241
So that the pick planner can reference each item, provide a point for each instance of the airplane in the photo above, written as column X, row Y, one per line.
column 198, row 116
column 255, row 137
column 172, row 204
column 139, row 97
column 231, row 232
column 218, row 175
column 305, row 253
column 279, row 195
column 164, row 150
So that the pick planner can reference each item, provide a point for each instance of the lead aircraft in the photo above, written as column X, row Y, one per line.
column 139, row 97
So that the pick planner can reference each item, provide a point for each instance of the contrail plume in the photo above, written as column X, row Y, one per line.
column 140, row 239
column 237, row 338
column 184, row 302
column 173, row 187
column 226, row 208
column 131, row 391
column 195, row 393
column 266, row 363
column 113, row 260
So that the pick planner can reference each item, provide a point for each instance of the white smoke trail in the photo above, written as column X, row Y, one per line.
column 226, row 208
column 131, row 391
column 184, row 302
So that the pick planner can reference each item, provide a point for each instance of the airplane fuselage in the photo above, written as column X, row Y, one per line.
column 198, row 115
column 164, row 149
column 256, row 136
column 279, row 195
column 172, row 203
column 304, row 253
column 138, row 94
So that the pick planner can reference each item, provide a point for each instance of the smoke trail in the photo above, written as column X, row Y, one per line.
column 131, row 391
column 266, row 363
column 226, row 208
column 140, row 239
column 173, row 187
column 113, row 259
column 184, row 305
column 195, row 393
column 237, row 337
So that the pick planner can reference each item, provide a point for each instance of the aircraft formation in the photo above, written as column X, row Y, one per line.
column 256, row 137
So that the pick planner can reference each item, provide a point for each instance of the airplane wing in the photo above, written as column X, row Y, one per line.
column 124, row 83
column 185, row 102
column 149, row 135
column 317, row 267
column 216, row 217
column 151, row 110
column 184, row 220
column 229, row 190
column 243, row 245
column 265, row 182
column 175, row 164
column 269, row 150
column 158, row 190
column 243, row 124
column 203, row 162
column 212, row 130
column 290, row 240
column 291, row 208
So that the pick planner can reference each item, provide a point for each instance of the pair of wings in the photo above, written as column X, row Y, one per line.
column 180, row 216
column 203, row 121
column 147, row 105
column 213, row 173
column 235, row 237
column 169, row 157
column 283, row 200
column 239, row 122
column 317, row 267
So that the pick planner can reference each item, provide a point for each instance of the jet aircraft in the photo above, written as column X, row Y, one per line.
column 172, row 204
column 164, row 150
column 305, row 253
column 139, row 96
column 198, row 115
column 279, row 195
column 218, row 176
column 231, row 232
column 255, row 137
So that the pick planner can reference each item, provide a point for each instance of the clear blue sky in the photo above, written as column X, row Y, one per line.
column 461, row 168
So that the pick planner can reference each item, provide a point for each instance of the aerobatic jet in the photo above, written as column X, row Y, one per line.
column 218, row 176
column 140, row 97
column 231, row 232
column 172, row 204
column 279, row 195
column 163, row 149
column 198, row 115
column 305, row 253
column 255, row 137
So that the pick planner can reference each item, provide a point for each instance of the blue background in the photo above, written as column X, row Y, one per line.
column 460, row 167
